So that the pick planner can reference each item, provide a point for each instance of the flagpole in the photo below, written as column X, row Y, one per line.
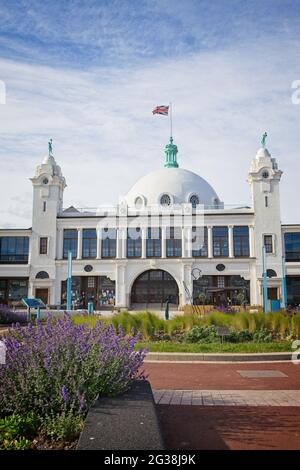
column 171, row 125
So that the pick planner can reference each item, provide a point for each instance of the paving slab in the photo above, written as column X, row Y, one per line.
column 261, row 373
column 227, row 398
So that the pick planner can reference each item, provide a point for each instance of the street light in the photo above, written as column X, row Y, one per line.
column 265, row 285
column 69, row 282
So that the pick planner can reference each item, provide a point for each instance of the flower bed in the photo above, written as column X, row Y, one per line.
column 242, row 326
column 52, row 375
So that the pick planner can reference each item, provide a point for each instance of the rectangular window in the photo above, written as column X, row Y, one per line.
column 44, row 206
column 293, row 290
column 70, row 242
column 241, row 241
column 292, row 246
column 220, row 241
column 12, row 291
column 268, row 242
column 14, row 249
column 109, row 243
column 134, row 243
column 153, row 243
column 43, row 245
column 89, row 243
column 199, row 241
column 174, row 242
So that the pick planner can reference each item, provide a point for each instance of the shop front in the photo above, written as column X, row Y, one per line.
column 12, row 290
column 97, row 289
column 221, row 290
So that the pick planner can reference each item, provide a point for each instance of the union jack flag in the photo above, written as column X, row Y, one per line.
column 161, row 110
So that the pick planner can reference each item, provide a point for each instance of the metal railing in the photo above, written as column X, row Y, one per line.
column 117, row 209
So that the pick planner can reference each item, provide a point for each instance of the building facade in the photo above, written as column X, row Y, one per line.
column 170, row 238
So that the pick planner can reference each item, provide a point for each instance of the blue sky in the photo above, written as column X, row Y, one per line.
column 88, row 73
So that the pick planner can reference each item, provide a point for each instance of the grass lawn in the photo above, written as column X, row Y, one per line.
column 251, row 347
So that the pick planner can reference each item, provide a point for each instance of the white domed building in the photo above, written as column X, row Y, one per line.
column 170, row 238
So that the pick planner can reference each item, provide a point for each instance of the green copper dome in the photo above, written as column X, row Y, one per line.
column 171, row 151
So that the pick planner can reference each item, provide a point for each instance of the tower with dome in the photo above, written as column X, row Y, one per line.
column 170, row 238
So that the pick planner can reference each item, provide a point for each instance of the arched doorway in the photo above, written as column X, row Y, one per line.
column 154, row 287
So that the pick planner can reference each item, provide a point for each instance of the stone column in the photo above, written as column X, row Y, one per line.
column 251, row 241
column 144, row 242
column 230, row 241
column 209, row 241
column 163, row 241
column 183, row 243
column 119, row 243
column 99, row 234
column 79, row 243
column 60, row 243
column 121, row 301
column 124, row 243
column 187, row 242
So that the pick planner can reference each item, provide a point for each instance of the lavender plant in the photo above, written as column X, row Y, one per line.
column 60, row 366
column 9, row 316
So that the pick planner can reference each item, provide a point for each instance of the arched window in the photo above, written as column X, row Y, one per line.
column 42, row 275
column 165, row 200
column 194, row 200
column 138, row 202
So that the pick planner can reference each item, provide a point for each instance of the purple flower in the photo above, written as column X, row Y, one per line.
column 58, row 365
column 65, row 394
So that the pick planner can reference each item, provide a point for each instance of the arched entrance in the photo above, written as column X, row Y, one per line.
column 154, row 287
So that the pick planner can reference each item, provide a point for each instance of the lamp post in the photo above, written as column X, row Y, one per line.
column 196, row 274
column 265, row 285
column 69, row 282
column 284, row 295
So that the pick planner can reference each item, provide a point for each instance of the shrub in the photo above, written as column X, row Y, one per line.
column 16, row 430
column 201, row 334
column 239, row 336
column 263, row 336
column 65, row 426
column 8, row 316
column 61, row 366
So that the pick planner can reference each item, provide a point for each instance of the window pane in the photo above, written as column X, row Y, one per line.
column 89, row 233
column 14, row 249
column 241, row 240
column 199, row 242
column 292, row 246
column 268, row 242
column 220, row 241
column 70, row 242
column 153, row 243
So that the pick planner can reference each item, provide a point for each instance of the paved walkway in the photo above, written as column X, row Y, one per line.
column 228, row 397
column 234, row 406
column 207, row 376
column 230, row 427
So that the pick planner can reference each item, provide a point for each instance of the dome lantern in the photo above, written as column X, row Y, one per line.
column 171, row 151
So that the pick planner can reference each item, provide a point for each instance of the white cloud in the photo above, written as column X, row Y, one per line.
column 105, row 136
